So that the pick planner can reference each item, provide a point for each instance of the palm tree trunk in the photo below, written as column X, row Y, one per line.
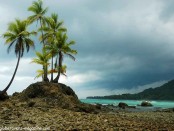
column 44, row 66
column 5, row 90
column 60, row 66
column 52, row 69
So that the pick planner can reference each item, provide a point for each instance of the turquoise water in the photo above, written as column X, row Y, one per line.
column 157, row 104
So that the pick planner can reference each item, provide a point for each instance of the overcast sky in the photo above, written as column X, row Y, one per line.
column 123, row 46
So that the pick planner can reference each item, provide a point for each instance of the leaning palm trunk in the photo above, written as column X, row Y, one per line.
column 59, row 69
column 3, row 93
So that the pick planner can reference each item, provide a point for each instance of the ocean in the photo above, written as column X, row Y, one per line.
column 156, row 104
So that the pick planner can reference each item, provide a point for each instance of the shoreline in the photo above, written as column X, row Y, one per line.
column 57, row 107
column 14, row 113
column 138, row 109
column 63, row 119
column 155, row 105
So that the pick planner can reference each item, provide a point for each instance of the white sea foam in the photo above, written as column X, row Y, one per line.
column 156, row 104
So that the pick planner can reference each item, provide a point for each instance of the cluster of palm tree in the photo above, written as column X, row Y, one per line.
column 55, row 44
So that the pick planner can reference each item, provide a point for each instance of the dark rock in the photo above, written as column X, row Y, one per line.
column 122, row 105
column 6, row 117
column 31, row 122
column 146, row 103
column 21, row 104
column 3, row 96
column 98, row 106
column 132, row 107
column 111, row 105
column 31, row 103
column 15, row 94
column 168, row 110
column 87, row 108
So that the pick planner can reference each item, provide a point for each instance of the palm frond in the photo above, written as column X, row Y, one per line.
column 71, row 43
column 29, row 43
column 44, row 11
column 9, row 47
column 38, row 10
column 71, row 56
column 39, row 55
column 62, row 29
column 39, row 73
column 37, row 61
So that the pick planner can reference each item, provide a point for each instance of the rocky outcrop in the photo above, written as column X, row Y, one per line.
column 45, row 89
column 122, row 105
column 52, row 94
column 146, row 103
column 49, row 95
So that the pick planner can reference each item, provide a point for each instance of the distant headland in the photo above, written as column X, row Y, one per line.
column 164, row 92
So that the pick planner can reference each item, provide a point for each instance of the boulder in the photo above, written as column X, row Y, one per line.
column 98, row 106
column 146, row 103
column 122, row 105
column 3, row 96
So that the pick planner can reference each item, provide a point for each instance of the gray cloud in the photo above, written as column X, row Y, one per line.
column 167, row 12
column 121, row 44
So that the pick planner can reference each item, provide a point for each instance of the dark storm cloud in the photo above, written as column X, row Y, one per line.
column 167, row 12
column 120, row 43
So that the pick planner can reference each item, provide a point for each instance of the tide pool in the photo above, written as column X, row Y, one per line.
column 156, row 104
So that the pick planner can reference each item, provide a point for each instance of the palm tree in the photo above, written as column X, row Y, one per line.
column 53, row 26
column 42, row 59
column 63, row 48
column 39, row 12
column 18, row 36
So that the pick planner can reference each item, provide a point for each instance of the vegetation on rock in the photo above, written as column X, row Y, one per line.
column 54, row 41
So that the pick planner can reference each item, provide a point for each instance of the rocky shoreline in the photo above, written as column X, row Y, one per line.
column 63, row 119
column 40, row 108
